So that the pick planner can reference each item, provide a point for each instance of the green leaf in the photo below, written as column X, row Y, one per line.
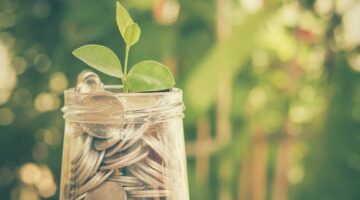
column 132, row 34
column 100, row 58
column 123, row 18
column 149, row 76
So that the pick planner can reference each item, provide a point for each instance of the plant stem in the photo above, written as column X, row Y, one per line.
column 125, row 68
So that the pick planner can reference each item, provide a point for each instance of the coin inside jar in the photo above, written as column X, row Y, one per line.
column 97, row 107
column 88, row 82
column 108, row 190
column 104, row 115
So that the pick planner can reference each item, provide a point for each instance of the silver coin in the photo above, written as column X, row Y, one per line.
column 74, row 129
column 108, row 190
column 102, row 114
column 88, row 82
column 146, row 178
column 149, row 170
column 155, row 165
column 149, row 193
column 124, row 157
column 84, row 150
column 79, row 162
column 157, row 146
column 126, row 180
column 100, row 130
column 98, row 162
column 87, row 167
column 129, row 136
column 103, row 144
column 94, row 182
column 128, row 159
column 133, row 188
column 134, row 138
column 81, row 197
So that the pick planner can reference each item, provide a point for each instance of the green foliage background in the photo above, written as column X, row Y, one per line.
column 272, row 93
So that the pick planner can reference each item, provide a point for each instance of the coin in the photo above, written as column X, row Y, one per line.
column 157, row 146
column 84, row 150
column 96, row 107
column 74, row 129
column 108, row 190
column 154, row 165
column 127, row 160
column 88, row 82
column 149, row 193
column 81, row 197
column 156, row 174
column 126, row 180
column 98, row 162
column 94, row 182
column 145, row 177
column 133, row 188
column 103, row 144
column 129, row 130
column 133, row 138
column 123, row 157
column 87, row 167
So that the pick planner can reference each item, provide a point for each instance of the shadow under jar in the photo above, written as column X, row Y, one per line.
column 121, row 146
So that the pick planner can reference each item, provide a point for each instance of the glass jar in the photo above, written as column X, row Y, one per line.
column 123, row 146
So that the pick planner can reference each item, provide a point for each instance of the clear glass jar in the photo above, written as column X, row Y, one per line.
column 123, row 146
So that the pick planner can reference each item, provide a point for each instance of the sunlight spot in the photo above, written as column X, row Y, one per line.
column 42, row 63
column 260, row 60
column 30, row 173
column 46, row 185
column 58, row 82
column 300, row 114
column 342, row 6
column 354, row 61
column 323, row 7
column 296, row 174
column 290, row 13
column 167, row 11
column 307, row 93
column 351, row 26
column 19, row 65
column 7, row 74
column 47, row 102
column 6, row 116
column 257, row 98
column 28, row 193
column 22, row 97
column 251, row 5
column 52, row 136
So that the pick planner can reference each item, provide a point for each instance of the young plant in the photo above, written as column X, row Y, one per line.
column 144, row 76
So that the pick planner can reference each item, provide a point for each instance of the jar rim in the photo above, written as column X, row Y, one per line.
column 113, row 88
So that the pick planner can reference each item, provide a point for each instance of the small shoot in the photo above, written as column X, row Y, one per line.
column 145, row 76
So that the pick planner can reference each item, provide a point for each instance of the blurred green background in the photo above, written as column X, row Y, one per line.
column 272, row 90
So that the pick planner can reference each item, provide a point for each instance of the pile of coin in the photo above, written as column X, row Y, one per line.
column 115, row 162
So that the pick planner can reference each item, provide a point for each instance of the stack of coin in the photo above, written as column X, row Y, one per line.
column 116, row 161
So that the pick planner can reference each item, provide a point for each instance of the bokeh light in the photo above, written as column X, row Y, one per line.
column 46, row 102
column 6, row 116
column 7, row 73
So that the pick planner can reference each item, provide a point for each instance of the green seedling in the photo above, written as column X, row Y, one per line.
column 145, row 76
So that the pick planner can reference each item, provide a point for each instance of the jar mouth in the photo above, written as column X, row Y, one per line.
column 117, row 91
column 112, row 107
